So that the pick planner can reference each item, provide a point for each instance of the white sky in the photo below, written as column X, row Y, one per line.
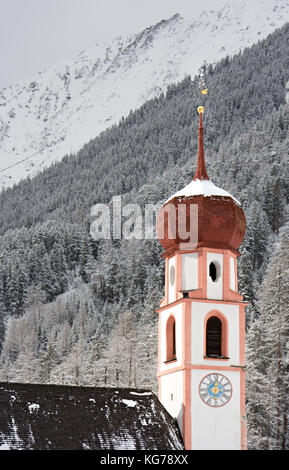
column 35, row 34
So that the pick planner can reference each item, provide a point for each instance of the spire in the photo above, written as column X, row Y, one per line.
column 201, row 172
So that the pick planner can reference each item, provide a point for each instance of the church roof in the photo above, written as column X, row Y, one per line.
column 201, row 214
column 57, row 417
column 201, row 185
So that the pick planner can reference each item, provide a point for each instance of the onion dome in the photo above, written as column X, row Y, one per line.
column 218, row 216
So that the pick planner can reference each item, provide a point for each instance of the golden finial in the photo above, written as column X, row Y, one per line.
column 201, row 109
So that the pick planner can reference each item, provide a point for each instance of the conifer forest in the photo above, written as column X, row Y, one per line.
column 78, row 311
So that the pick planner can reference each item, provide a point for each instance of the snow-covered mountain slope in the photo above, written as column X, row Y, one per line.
column 60, row 109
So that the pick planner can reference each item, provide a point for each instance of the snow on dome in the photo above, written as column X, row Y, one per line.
column 204, row 188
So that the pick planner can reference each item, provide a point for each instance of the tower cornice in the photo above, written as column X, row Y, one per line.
column 211, row 301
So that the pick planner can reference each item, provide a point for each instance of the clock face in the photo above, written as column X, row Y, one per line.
column 215, row 390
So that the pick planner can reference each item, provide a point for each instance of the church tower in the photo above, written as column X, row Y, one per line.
column 201, row 358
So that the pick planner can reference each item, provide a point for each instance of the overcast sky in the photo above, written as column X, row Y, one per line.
column 35, row 34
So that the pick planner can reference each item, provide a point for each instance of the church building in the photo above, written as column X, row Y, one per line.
column 201, row 361
column 201, row 350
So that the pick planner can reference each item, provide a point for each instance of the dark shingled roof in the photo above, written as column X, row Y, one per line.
column 66, row 417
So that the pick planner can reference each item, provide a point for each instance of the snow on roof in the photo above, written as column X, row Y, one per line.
column 57, row 417
column 202, row 188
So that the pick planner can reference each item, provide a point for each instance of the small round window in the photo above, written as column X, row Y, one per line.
column 215, row 271
column 172, row 275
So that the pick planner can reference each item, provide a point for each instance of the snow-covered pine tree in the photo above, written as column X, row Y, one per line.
column 267, row 356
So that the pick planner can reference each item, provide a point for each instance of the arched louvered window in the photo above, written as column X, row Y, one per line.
column 214, row 337
column 171, row 339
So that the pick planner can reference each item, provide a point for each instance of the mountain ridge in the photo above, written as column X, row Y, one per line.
column 58, row 110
